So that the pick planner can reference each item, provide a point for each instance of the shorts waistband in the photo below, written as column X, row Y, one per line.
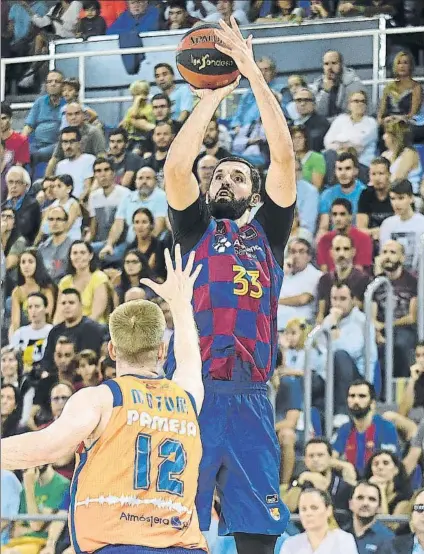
column 234, row 387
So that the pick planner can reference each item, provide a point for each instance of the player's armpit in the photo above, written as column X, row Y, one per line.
column 80, row 417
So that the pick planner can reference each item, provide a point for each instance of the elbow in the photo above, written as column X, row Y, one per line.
column 283, row 155
column 36, row 526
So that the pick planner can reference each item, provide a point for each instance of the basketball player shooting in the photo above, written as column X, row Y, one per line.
column 137, row 437
column 235, row 305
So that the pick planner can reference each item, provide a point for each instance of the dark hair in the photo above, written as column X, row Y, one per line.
column 323, row 494
column 340, row 284
column 101, row 160
column 348, row 156
column 65, row 340
column 304, row 242
column 15, row 233
column 279, row 358
column 10, row 424
column 48, row 178
column 367, row 484
column 93, row 262
column 420, row 344
column 87, row 4
column 161, row 96
column 66, row 180
column 276, row 10
column 6, row 110
column 65, row 213
column 360, row 382
column 146, row 212
column 162, row 124
column 402, row 186
column 107, row 362
column 255, row 176
column 401, row 481
column 300, row 129
column 320, row 440
column 39, row 295
column 343, row 202
column 380, row 160
column 119, row 131
column 73, row 130
column 125, row 281
column 41, row 276
column 71, row 290
column 72, row 81
column 166, row 66
column 178, row 4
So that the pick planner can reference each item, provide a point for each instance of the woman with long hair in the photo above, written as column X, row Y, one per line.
column 147, row 244
column 313, row 163
column 404, row 160
column 11, row 368
column 355, row 129
column 11, row 409
column 134, row 268
column 63, row 187
column 321, row 534
column 386, row 470
column 401, row 98
column 32, row 277
column 93, row 285
column 12, row 246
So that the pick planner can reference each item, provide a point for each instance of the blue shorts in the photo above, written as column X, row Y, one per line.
column 241, row 458
column 134, row 549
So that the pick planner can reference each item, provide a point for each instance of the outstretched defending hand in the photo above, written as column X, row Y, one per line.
column 179, row 283
column 235, row 46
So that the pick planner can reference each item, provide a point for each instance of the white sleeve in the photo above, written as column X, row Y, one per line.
column 332, row 134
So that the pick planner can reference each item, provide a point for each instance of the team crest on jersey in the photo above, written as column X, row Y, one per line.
column 272, row 498
column 248, row 234
column 221, row 244
column 275, row 513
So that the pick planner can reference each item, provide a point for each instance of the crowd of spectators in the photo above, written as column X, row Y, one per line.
column 76, row 242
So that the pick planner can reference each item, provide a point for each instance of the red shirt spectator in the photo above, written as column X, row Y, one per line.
column 361, row 241
column 14, row 141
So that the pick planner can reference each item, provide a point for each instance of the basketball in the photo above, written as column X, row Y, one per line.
column 200, row 63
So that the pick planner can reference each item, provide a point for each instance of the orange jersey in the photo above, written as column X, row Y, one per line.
column 136, row 484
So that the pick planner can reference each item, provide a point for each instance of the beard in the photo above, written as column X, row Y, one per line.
column 360, row 413
column 210, row 142
column 391, row 266
column 365, row 520
column 229, row 209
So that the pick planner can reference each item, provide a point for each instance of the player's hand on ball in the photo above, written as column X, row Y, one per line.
column 219, row 93
column 235, row 46
column 179, row 282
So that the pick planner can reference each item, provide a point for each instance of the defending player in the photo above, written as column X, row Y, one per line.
column 235, row 305
column 137, row 435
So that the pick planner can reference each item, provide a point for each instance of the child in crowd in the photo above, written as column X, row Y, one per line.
column 139, row 119
column 70, row 92
column 93, row 23
column 88, row 369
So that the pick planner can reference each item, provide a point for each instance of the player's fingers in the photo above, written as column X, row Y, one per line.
column 235, row 27
column 195, row 274
column 168, row 262
column 223, row 49
column 249, row 42
column 151, row 284
column 226, row 41
column 178, row 260
column 190, row 262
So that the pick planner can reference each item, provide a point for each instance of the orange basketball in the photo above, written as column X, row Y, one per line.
column 200, row 63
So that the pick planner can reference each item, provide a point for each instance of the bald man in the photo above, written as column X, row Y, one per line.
column 134, row 293
column 391, row 264
column 205, row 168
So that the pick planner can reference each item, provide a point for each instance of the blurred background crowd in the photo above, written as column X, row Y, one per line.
column 84, row 217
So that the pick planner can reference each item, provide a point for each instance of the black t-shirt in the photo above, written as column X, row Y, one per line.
column 130, row 162
column 87, row 334
column 357, row 282
column 149, row 145
column 189, row 225
column 404, row 289
column 376, row 210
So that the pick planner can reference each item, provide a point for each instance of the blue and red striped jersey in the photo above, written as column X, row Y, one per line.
column 235, row 303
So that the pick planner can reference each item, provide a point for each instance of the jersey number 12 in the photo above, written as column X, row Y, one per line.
column 174, row 461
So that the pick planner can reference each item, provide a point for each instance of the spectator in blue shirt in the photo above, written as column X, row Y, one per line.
column 366, row 432
column 22, row 25
column 364, row 506
column 180, row 96
column 43, row 120
column 348, row 187
column 10, row 499
column 247, row 109
column 139, row 17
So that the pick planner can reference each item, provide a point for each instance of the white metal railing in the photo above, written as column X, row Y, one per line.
column 329, row 382
column 377, row 35
column 388, row 324
column 420, row 314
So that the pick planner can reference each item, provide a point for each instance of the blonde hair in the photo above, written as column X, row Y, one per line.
column 136, row 329
column 140, row 87
column 305, row 329
column 396, row 61
column 402, row 134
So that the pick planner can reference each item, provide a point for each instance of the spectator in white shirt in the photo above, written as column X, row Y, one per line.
column 299, row 290
column 355, row 129
column 406, row 226
column 226, row 9
column 321, row 534
column 31, row 339
column 79, row 166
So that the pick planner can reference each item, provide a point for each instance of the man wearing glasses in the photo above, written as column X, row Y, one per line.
column 316, row 125
column 54, row 251
column 43, row 120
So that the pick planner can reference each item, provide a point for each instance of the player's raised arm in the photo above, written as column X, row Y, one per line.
column 80, row 417
column 177, row 290
column 281, row 181
column 181, row 186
